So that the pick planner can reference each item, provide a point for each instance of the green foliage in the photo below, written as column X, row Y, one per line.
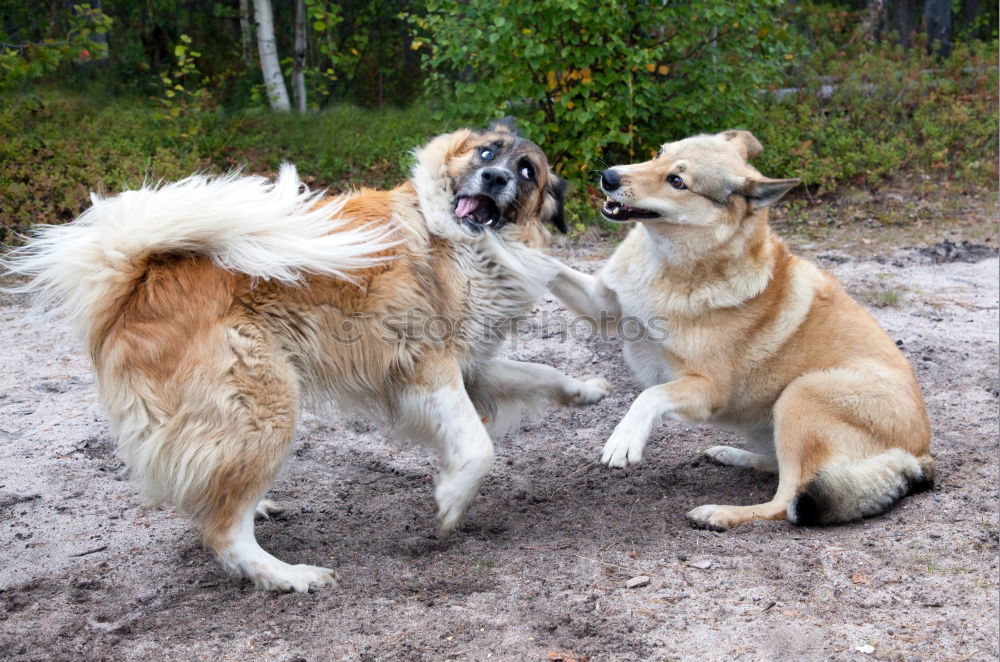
column 361, row 51
column 56, row 147
column 80, row 41
column 594, row 83
column 594, row 79
column 185, row 95
column 886, row 110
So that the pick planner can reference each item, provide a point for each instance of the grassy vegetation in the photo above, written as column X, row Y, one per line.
column 887, row 111
column 893, row 113
column 56, row 148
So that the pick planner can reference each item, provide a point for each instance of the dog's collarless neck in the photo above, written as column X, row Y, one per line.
column 732, row 274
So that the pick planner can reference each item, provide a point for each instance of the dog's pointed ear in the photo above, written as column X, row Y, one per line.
column 764, row 192
column 746, row 143
column 505, row 124
column 554, row 206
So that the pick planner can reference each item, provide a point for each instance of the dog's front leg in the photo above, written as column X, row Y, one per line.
column 587, row 296
column 690, row 397
column 436, row 409
column 519, row 380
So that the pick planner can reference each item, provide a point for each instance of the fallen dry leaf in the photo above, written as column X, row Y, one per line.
column 555, row 656
column 859, row 578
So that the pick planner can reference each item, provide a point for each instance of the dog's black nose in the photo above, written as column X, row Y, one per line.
column 495, row 177
column 610, row 180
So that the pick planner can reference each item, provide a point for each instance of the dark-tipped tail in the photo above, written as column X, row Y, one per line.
column 847, row 490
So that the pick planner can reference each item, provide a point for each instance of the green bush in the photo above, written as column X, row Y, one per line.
column 890, row 111
column 72, row 36
column 591, row 80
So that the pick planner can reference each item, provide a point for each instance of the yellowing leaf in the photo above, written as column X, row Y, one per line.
column 651, row 67
column 663, row 70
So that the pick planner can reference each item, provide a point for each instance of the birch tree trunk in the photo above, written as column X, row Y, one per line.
column 299, row 63
column 246, row 34
column 277, row 94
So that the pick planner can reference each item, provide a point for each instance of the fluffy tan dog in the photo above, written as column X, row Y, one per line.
column 212, row 306
column 739, row 332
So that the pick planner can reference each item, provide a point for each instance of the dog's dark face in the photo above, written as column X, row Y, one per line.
column 501, row 179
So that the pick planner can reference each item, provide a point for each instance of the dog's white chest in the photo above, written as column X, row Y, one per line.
column 646, row 360
column 644, row 326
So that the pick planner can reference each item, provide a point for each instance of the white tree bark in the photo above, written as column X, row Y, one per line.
column 277, row 94
column 299, row 63
column 246, row 32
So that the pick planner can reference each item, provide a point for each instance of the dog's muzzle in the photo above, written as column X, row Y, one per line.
column 484, row 201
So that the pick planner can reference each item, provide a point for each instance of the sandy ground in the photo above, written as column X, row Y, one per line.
column 539, row 569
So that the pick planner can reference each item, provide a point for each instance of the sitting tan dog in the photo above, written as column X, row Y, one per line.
column 742, row 333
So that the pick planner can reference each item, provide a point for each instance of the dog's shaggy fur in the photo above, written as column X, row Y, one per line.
column 211, row 307
column 744, row 334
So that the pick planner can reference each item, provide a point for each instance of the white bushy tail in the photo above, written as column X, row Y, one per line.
column 245, row 224
column 846, row 490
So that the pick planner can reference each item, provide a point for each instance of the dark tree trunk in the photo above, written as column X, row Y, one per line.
column 903, row 19
column 937, row 23
column 970, row 10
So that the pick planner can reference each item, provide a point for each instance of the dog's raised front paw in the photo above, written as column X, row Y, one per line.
column 589, row 392
column 624, row 447
column 710, row 517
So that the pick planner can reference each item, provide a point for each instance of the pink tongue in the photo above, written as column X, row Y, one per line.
column 466, row 206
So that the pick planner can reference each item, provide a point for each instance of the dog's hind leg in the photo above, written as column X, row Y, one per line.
column 436, row 409
column 738, row 457
column 804, row 435
column 502, row 378
column 257, row 410
column 265, row 508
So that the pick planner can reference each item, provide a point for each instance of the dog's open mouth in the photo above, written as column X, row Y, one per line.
column 616, row 211
column 478, row 211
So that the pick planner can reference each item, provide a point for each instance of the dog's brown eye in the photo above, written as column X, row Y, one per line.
column 676, row 182
column 486, row 154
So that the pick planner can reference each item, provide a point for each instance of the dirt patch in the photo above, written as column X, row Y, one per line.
column 543, row 564
column 948, row 251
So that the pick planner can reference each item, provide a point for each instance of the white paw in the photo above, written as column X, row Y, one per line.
column 727, row 455
column 453, row 498
column 449, row 514
column 281, row 576
column 589, row 392
column 265, row 508
column 708, row 517
column 624, row 446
